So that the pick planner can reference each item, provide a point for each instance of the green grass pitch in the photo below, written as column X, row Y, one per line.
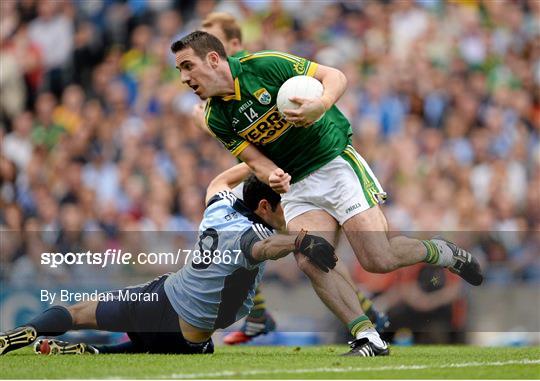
column 419, row 362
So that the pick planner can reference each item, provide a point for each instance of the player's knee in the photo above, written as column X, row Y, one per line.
column 83, row 314
column 303, row 263
column 77, row 313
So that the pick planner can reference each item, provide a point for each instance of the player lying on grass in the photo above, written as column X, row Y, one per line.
column 307, row 155
column 259, row 321
column 200, row 298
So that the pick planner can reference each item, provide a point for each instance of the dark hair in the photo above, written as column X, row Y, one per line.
column 255, row 191
column 201, row 42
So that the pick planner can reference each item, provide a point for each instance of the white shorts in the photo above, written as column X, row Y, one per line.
column 343, row 188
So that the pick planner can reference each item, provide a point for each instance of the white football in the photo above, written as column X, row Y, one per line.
column 299, row 86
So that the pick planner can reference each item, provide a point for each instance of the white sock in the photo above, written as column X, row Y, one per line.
column 373, row 336
column 438, row 253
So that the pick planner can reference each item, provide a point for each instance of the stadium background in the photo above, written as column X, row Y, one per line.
column 444, row 100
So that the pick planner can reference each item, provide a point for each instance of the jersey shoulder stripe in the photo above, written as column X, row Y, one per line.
column 261, row 231
column 300, row 65
column 271, row 53
column 222, row 195
column 264, row 231
column 227, row 195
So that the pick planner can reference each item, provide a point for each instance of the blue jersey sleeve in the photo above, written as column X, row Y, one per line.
column 250, row 237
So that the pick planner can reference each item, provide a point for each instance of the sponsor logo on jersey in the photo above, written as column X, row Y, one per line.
column 245, row 106
column 267, row 128
column 263, row 96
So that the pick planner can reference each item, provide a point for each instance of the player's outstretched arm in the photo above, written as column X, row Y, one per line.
column 274, row 247
column 265, row 169
column 227, row 180
column 319, row 251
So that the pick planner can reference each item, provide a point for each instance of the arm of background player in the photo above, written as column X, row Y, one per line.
column 199, row 119
column 265, row 169
column 334, row 84
column 227, row 180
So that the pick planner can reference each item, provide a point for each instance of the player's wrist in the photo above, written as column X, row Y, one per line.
column 326, row 103
column 298, row 241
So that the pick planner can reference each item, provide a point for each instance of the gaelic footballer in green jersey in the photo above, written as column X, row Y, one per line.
column 332, row 186
column 225, row 27
column 250, row 116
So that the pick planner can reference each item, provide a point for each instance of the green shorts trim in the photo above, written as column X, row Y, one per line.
column 367, row 182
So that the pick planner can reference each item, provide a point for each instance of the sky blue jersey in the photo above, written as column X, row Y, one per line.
column 217, row 285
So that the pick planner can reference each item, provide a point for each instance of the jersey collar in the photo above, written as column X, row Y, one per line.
column 236, row 69
column 242, row 208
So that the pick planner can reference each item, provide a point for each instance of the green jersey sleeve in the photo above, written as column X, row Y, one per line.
column 279, row 66
column 219, row 127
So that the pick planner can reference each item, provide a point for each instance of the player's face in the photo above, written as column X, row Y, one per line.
column 277, row 218
column 199, row 74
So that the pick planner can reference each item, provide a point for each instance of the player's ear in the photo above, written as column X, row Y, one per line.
column 264, row 205
column 213, row 59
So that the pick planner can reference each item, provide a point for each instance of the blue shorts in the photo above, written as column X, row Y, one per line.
column 152, row 326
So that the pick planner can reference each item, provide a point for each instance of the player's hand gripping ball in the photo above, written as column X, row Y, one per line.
column 299, row 100
column 319, row 251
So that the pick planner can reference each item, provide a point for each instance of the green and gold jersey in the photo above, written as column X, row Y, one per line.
column 250, row 116
column 240, row 53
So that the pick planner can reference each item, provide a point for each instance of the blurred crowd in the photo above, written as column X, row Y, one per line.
column 97, row 132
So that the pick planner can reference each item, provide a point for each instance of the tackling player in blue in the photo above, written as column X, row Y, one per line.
column 205, row 295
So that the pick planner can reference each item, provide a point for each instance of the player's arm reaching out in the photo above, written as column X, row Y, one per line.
column 253, row 160
column 265, row 169
column 319, row 251
column 227, row 180
column 334, row 84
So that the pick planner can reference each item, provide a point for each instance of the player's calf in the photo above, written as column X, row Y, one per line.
column 380, row 263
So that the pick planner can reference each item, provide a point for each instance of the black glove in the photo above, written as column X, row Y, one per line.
column 319, row 251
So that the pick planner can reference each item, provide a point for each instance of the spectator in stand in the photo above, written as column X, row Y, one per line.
column 428, row 302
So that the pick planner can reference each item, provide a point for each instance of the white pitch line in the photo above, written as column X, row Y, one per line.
column 230, row 373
